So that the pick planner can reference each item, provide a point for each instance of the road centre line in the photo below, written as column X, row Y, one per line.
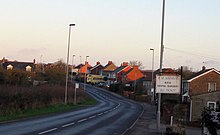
column 81, row 120
column 47, row 131
column 66, row 125
column 106, row 111
column 99, row 114
column 92, row 116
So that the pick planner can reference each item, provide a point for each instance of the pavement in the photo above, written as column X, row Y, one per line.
column 147, row 124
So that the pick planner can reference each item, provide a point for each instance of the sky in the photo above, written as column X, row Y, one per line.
column 112, row 30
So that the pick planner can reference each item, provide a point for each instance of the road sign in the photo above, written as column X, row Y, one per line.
column 169, row 84
column 77, row 85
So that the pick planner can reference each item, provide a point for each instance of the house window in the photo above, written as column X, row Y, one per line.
column 211, row 105
column 9, row 67
column 211, row 87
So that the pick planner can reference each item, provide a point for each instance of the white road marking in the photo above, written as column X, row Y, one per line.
column 66, row 125
column 92, row 116
column 47, row 131
column 99, row 114
column 81, row 120
column 106, row 111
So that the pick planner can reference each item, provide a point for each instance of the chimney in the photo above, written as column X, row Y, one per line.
column 109, row 62
column 97, row 63
column 3, row 60
column 135, row 66
column 86, row 62
column 203, row 68
column 124, row 64
column 34, row 61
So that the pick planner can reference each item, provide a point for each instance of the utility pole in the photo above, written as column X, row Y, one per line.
column 161, row 63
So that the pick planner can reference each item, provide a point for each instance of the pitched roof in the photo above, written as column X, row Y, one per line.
column 18, row 65
column 84, row 68
column 96, row 66
column 79, row 66
column 201, row 73
column 110, row 67
column 119, row 69
column 133, row 74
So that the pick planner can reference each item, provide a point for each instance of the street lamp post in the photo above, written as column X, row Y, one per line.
column 67, row 62
column 152, row 76
column 72, row 68
column 80, row 59
column 85, row 74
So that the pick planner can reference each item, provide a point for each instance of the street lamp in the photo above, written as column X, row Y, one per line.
column 67, row 62
column 152, row 75
column 72, row 68
column 85, row 74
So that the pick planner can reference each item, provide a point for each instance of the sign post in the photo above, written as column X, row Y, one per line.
column 168, row 84
column 76, row 87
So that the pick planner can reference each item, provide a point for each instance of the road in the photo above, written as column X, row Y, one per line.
column 113, row 115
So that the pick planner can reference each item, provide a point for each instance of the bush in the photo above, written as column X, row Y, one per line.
column 208, row 122
column 18, row 99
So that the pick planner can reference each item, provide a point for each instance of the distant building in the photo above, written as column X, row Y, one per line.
column 147, row 81
column 15, row 65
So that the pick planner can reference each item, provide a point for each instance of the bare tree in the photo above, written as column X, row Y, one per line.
column 135, row 62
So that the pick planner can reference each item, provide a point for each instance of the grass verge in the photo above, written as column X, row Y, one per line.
column 51, row 109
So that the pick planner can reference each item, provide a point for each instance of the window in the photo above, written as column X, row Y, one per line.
column 211, row 105
column 28, row 68
column 9, row 67
column 211, row 87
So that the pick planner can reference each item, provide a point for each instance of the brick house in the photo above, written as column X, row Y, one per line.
column 132, row 75
column 117, row 74
column 147, row 81
column 108, row 72
column 202, row 90
column 83, row 70
column 97, row 69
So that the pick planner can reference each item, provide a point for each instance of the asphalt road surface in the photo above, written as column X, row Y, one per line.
column 113, row 115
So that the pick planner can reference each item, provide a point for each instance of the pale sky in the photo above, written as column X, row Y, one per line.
column 116, row 30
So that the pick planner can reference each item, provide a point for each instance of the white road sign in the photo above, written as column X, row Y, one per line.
column 77, row 85
column 168, row 84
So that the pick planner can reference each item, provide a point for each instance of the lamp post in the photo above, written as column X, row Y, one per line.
column 152, row 75
column 67, row 62
column 85, row 74
column 72, row 68
column 80, row 59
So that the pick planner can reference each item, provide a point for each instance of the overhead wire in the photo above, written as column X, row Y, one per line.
column 195, row 54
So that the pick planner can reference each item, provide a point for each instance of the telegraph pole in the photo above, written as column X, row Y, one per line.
column 161, row 63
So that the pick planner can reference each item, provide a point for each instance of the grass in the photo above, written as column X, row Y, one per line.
column 52, row 109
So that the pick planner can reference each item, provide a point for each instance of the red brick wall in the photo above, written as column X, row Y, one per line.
column 200, row 85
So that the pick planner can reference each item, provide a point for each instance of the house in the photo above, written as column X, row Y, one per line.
column 147, row 81
column 118, row 72
column 15, row 65
column 83, row 70
column 132, row 75
column 202, row 90
column 97, row 69
column 75, row 69
column 108, row 72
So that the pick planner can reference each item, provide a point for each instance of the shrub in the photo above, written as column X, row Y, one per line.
column 17, row 99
